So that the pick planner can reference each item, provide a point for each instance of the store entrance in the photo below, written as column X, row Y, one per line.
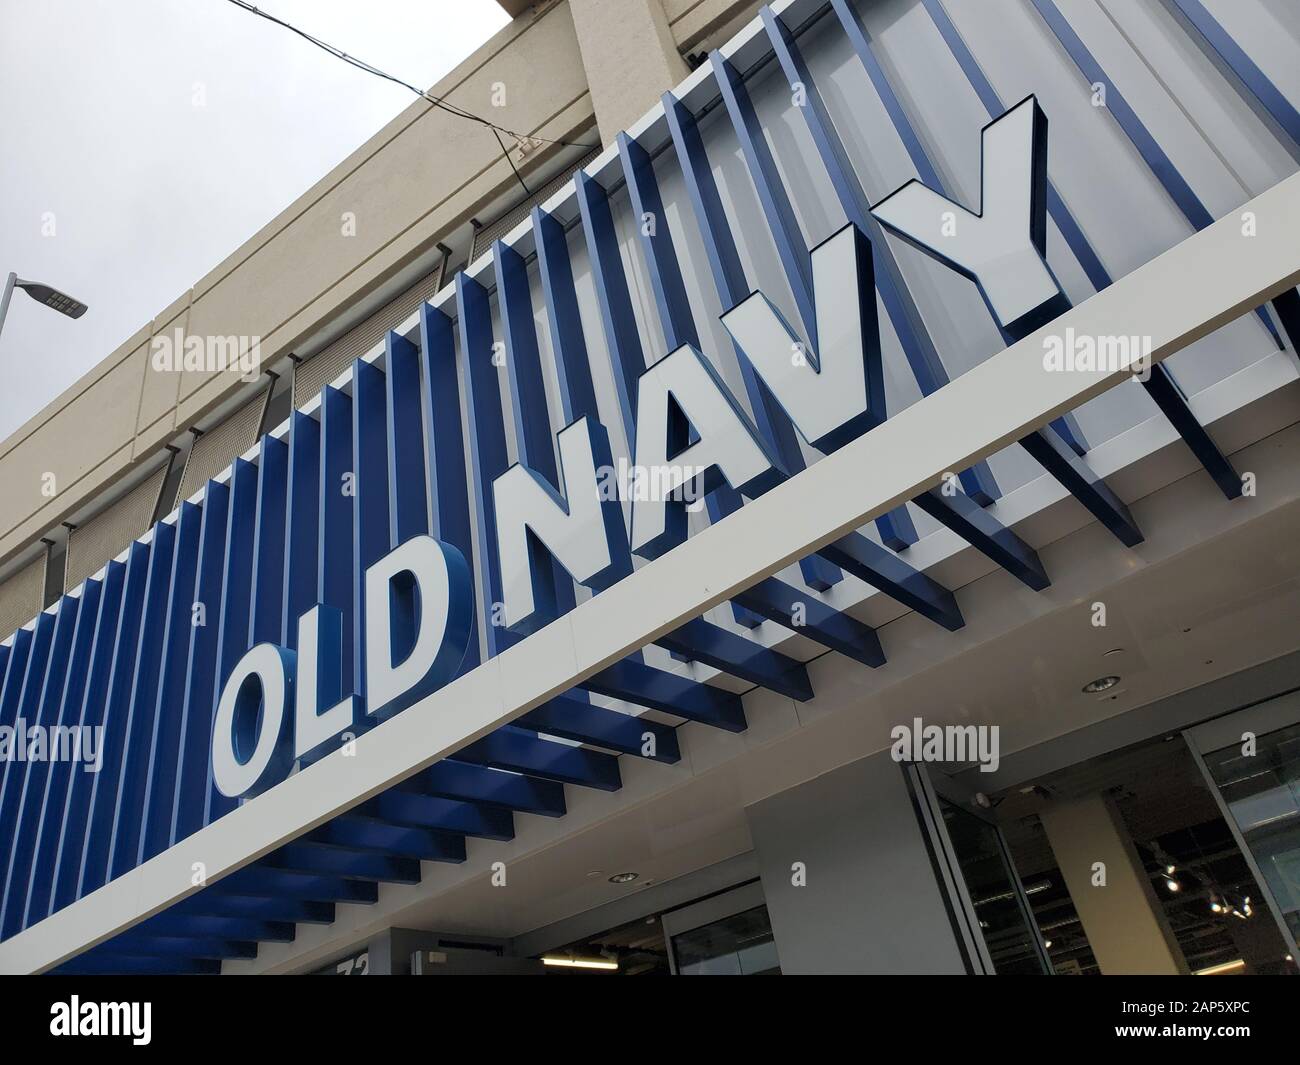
column 724, row 934
column 1137, row 862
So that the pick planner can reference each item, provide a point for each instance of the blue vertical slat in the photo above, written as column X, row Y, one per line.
column 572, row 366
column 189, row 798
column 444, row 443
column 675, row 318
column 532, row 417
column 337, row 496
column 27, row 685
column 1160, row 165
column 142, row 702
column 50, row 811
column 487, row 441
column 25, row 705
column 266, row 610
column 370, row 538
column 791, row 247
column 111, row 715
column 169, row 707
column 610, row 280
column 70, row 810
column 15, row 671
column 232, row 623
column 19, row 806
column 523, row 362
column 408, row 501
column 303, row 524
column 1254, row 80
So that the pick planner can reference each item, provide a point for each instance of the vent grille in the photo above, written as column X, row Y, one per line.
column 313, row 374
column 107, row 534
column 222, row 444
column 21, row 597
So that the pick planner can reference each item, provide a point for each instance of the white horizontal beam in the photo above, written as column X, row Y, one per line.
column 1184, row 294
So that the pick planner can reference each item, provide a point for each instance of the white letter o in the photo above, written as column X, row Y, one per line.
column 248, row 736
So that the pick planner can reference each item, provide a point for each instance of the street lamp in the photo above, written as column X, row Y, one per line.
column 41, row 293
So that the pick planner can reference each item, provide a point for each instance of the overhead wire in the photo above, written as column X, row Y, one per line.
column 436, row 101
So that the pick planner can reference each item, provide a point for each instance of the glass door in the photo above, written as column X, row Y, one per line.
column 991, row 911
column 1251, row 760
column 726, row 935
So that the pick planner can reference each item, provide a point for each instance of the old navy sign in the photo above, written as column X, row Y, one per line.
column 282, row 705
column 279, row 705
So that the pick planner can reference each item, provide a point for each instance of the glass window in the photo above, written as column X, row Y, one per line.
column 994, row 892
column 739, row 945
column 1262, row 791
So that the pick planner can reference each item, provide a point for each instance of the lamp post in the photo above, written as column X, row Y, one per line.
column 41, row 293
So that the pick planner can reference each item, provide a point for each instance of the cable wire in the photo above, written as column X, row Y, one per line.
column 436, row 101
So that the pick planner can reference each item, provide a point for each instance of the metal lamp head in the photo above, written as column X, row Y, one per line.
column 52, row 297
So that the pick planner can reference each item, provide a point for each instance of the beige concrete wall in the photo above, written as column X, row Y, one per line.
column 696, row 22
column 632, row 49
column 420, row 177
column 630, row 56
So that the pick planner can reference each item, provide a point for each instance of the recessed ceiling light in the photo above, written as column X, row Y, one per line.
column 1101, row 684
column 623, row 878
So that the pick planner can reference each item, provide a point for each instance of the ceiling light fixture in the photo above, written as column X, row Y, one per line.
column 623, row 878
column 580, row 963
column 1101, row 684
column 1219, row 970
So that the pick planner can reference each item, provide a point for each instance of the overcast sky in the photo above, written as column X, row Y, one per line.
column 153, row 137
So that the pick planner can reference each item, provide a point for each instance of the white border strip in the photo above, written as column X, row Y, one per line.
column 1189, row 291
